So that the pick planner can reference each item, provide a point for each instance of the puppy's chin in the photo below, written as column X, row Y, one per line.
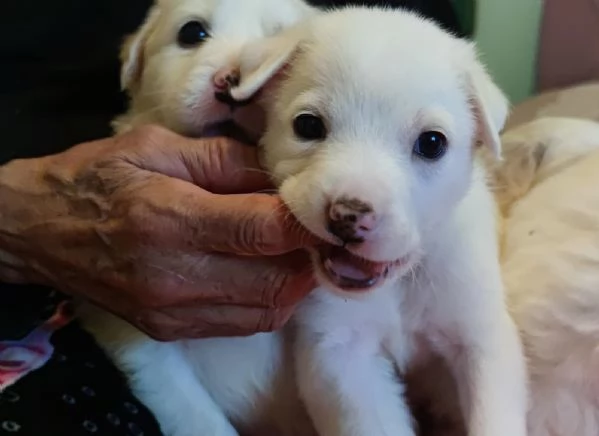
column 340, row 270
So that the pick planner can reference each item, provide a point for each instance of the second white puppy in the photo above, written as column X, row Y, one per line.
column 551, row 270
column 372, row 144
column 546, row 189
column 538, row 150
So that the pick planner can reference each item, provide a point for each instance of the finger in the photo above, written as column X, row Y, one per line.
column 224, row 166
column 219, row 165
column 254, row 224
column 177, row 213
column 172, row 280
column 211, row 321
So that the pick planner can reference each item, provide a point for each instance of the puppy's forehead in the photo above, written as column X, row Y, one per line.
column 383, row 63
column 236, row 18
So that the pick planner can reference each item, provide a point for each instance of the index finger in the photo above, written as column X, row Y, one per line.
column 253, row 224
column 219, row 165
column 241, row 224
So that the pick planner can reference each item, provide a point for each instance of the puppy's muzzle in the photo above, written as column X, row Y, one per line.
column 224, row 80
column 225, row 97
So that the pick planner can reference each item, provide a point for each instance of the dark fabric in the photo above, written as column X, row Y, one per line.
column 59, row 86
column 77, row 393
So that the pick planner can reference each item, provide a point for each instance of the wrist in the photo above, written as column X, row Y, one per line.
column 22, row 192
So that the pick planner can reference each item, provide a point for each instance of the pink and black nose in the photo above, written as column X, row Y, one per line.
column 223, row 80
column 351, row 220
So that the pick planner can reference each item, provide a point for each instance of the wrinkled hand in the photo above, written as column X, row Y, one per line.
column 159, row 229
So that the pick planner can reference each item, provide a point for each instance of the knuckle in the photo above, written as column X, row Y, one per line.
column 155, row 295
column 146, row 289
column 136, row 221
column 247, row 234
column 274, row 319
column 140, row 223
column 257, row 235
column 149, row 323
column 278, row 294
column 287, row 289
column 152, row 298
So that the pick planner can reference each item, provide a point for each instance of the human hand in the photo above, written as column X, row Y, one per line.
column 159, row 229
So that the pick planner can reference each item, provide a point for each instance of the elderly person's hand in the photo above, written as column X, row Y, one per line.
column 159, row 229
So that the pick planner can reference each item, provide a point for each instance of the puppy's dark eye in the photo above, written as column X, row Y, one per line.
column 192, row 34
column 309, row 127
column 431, row 145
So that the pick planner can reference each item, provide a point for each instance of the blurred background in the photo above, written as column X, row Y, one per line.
column 543, row 53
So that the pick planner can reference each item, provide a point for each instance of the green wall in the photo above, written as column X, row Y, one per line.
column 507, row 34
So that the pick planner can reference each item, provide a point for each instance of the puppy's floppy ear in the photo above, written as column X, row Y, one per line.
column 132, row 51
column 489, row 104
column 261, row 61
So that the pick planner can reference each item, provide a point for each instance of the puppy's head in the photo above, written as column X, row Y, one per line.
column 174, row 66
column 373, row 117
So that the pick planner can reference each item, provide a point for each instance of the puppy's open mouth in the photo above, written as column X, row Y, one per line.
column 350, row 272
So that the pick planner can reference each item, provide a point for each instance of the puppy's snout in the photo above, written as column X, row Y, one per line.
column 351, row 219
column 226, row 78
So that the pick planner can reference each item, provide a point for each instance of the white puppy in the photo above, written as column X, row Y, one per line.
column 550, row 262
column 371, row 140
column 551, row 272
column 171, row 65
column 537, row 150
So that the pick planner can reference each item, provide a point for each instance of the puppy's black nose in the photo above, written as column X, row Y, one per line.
column 351, row 220
column 224, row 80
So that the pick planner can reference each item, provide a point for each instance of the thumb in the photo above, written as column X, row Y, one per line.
column 241, row 224
column 219, row 165
column 255, row 224
column 225, row 166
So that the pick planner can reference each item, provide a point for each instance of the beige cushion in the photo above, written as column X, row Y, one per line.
column 580, row 101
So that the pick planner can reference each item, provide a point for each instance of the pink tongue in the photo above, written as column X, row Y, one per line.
column 347, row 270
column 344, row 264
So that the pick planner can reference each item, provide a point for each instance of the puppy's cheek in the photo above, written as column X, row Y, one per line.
column 281, row 168
column 306, row 203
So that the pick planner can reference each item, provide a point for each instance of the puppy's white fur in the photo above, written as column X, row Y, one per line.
column 173, row 86
column 359, row 70
column 546, row 186
column 551, row 272
column 537, row 150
